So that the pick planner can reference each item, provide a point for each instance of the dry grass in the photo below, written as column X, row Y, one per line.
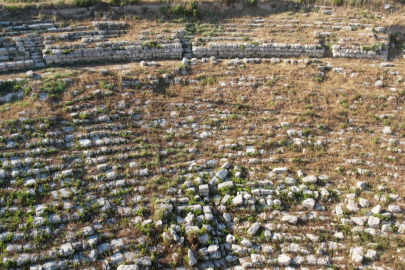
column 282, row 93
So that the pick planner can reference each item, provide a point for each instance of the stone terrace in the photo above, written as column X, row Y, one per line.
column 121, row 176
column 39, row 43
column 255, row 143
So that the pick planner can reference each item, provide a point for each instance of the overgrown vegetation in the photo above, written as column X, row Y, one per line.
column 11, row 86
column 124, row 2
column 86, row 3
column 182, row 10
column 54, row 88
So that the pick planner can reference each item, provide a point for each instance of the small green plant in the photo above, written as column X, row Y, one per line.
column 306, row 132
column 85, row 3
column 11, row 86
column 337, row 2
column 252, row 3
column 228, row 2
column 114, row 2
column 27, row 90
column 54, row 88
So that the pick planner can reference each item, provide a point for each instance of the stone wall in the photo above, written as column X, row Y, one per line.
column 16, row 65
column 359, row 52
column 129, row 53
column 104, row 25
column 33, row 51
column 21, row 52
column 226, row 50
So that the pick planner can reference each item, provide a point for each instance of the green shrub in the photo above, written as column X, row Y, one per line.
column 306, row 132
column 304, row 2
column 27, row 90
column 252, row 3
column 12, row 9
column 123, row 2
column 114, row 2
column 54, row 88
column 197, row 13
column 11, row 86
column 151, row 44
column 166, row 11
column 182, row 10
column 228, row 2
column 375, row 47
column 338, row 2
column 86, row 3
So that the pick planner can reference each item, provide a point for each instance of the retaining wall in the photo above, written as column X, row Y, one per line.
column 226, row 50
column 130, row 53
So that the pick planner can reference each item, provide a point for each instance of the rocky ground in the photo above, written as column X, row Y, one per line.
column 203, row 162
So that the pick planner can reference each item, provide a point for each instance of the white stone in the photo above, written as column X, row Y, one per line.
column 66, row 249
column 339, row 211
column 225, row 184
column 290, row 219
column 309, row 203
column 222, row 174
column 238, row 200
column 309, row 179
column 230, row 239
column 284, row 259
column 254, row 228
column 85, row 143
column 29, row 74
column 128, row 267
column 377, row 209
column 373, row 222
column 280, row 170
column 364, row 203
column 378, row 84
column 387, row 130
column 357, row 254
column 361, row 185
column 227, row 217
column 357, row 258
column 3, row 174
column 359, row 220
column 290, row 181
column 394, row 208
column 257, row 259
column 246, row 243
column 204, row 188
column 191, row 257
column 371, row 254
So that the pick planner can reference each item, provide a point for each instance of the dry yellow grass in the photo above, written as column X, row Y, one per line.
column 339, row 109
